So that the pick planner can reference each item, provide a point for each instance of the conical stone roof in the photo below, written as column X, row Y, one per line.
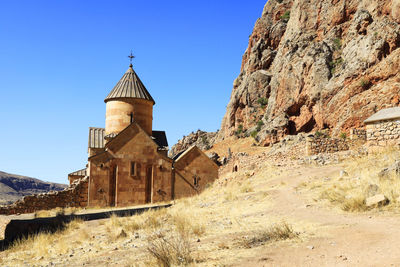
column 130, row 86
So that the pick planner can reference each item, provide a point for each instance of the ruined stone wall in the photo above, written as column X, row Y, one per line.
column 73, row 196
column 326, row 145
column 358, row 134
column 73, row 178
column 383, row 133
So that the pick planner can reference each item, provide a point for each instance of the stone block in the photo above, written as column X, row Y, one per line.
column 377, row 200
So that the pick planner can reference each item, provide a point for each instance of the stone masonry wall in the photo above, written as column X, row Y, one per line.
column 326, row 145
column 73, row 196
column 358, row 134
column 383, row 133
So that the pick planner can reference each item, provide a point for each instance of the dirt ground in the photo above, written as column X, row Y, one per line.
column 238, row 205
column 341, row 239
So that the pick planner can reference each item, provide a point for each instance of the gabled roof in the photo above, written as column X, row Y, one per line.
column 130, row 86
column 160, row 138
column 126, row 135
column 96, row 137
column 189, row 154
column 102, row 157
column 178, row 155
column 78, row 173
column 384, row 114
column 123, row 137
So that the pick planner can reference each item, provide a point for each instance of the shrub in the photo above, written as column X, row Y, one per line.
column 334, row 64
column 285, row 16
column 254, row 134
column 262, row 101
column 365, row 83
column 343, row 136
column 337, row 44
column 318, row 134
column 239, row 130
column 204, row 140
column 260, row 123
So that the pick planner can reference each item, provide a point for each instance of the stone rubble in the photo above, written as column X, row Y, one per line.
column 73, row 196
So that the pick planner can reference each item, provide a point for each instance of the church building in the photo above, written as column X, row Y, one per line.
column 128, row 161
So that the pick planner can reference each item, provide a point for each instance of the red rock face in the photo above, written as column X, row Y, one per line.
column 316, row 64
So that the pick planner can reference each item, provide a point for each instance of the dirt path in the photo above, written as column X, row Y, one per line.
column 342, row 239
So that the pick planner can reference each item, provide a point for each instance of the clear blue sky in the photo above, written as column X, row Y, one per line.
column 60, row 59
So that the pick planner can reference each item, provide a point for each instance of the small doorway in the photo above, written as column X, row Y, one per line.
column 149, row 183
column 113, row 186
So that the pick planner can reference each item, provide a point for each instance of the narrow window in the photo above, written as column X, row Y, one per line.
column 131, row 115
column 196, row 181
column 133, row 168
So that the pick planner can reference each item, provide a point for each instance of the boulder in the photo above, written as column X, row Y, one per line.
column 214, row 157
column 224, row 161
column 377, row 200
column 393, row 169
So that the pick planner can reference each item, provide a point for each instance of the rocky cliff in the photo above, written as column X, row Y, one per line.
column 316, row 64
column 203, row 140
column 14, row 187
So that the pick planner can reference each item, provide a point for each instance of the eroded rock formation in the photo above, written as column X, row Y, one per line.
column 203, row 140
column 316, row 64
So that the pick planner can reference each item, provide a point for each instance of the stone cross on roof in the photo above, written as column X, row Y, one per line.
column 131, row 57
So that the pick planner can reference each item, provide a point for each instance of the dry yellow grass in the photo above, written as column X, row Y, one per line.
column 350, row 191
column 43, row 245
column 276, row 232
column 228, row 208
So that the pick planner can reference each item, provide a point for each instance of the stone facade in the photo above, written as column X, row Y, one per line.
column 73, row 196
column 383, row 133
column 118, row 114
column 132, row 171
column 325, row 145
column 128, row 162
column 193, row 171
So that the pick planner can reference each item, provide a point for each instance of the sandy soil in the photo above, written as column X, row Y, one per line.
column 328, row 236
column 342, row 239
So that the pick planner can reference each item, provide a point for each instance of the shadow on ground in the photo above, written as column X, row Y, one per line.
column 17, row 229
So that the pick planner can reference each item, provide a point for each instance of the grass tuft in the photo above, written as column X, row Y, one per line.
column 280, row 231
column 170, row 251
column 350, row 193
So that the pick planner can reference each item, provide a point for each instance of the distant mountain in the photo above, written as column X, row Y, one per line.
column 14, row 187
